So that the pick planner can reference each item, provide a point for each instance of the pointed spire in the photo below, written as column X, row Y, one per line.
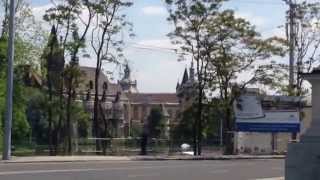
column 185, row 76
column 192, row 71
column 53, row 36
column 178, row 85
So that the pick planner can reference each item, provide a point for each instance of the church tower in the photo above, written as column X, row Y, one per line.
column 186, row 89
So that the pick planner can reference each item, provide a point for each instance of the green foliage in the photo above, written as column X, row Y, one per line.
column 20, row 128
column 184, row 130
column 156, row 123
column 82, row 118
column 37, row 116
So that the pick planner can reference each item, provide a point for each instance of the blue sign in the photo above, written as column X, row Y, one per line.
column 267, row 127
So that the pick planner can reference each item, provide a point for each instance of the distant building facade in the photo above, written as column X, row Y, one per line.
column 127, row 107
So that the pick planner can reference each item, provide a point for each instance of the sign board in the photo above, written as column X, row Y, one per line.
column 250, row 117
column 248, row 107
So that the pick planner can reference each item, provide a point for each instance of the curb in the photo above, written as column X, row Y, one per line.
column 140, row 158
column 63, row 160
column 207, row 158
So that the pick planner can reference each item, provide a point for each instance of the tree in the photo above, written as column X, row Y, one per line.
column 191, row 20
column 107, row 46
column 306, row 50
column 67, row 16
column 239, row 50
column 224, row 47
column 21, row 128
column 54, row 66
column 154, row 128
column 211, row 126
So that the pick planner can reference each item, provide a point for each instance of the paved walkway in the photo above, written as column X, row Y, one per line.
column 35, row 159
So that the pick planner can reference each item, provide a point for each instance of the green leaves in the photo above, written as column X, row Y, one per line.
column 156, row 123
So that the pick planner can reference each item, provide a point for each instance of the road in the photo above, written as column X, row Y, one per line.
column 145, row 170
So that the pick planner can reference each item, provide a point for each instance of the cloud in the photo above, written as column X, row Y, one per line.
column 154, row 10
column 278, row 31
column 164, row 44
column 39, row 11
column 258, row 21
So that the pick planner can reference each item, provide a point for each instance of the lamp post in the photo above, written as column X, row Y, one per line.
column 10, row 56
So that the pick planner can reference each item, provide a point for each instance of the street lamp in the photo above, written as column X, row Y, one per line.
column 10, row 56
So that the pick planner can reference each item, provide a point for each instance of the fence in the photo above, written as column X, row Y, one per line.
column 116, row 147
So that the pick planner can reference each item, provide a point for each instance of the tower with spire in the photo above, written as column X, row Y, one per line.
column 186, row 88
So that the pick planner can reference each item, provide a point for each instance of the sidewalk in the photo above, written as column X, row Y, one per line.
column 53, row 159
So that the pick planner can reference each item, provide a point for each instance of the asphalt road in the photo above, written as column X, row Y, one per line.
column 145, row 170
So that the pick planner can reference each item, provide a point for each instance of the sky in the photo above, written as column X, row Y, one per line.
column 157, row 69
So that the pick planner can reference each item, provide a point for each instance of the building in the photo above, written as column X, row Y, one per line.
column 128, row 108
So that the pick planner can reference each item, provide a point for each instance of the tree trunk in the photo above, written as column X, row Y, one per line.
column 96, row 130
column 144, row 143
column 199, row 117
column 59, row 135
column 105, row 132
column 228, row 134
column 50, row 134
column 69, row 129
column 195, row 137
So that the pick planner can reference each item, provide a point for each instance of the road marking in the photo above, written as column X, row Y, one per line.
column 98, row 169
column 275, row 178
column 142, row 175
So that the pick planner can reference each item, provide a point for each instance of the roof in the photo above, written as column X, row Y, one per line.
column 89, row 75
column 157, row 98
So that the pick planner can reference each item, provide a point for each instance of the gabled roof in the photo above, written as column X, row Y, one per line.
column 89, row 75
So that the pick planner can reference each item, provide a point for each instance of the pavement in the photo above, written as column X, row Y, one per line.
column 121, row 169
column 48, row 159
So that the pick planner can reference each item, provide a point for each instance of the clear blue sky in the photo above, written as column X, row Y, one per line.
column 157, row 70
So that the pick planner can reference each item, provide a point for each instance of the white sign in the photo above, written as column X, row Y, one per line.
column 274, row 117
column 250, row 117
column 248, row 107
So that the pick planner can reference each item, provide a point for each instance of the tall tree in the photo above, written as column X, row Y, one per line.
column 106, row 43
column 224, row 48
column 67, row 16
column 54, row 66
column 239, row 51
column 153, row 128
column 306, row 48
column 191, row 19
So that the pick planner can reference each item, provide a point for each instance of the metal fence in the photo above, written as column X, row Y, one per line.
column 117, row 147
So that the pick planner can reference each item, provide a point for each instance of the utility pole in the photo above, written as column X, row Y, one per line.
column 291, row 35
column 291, row 38
column 9, row 100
